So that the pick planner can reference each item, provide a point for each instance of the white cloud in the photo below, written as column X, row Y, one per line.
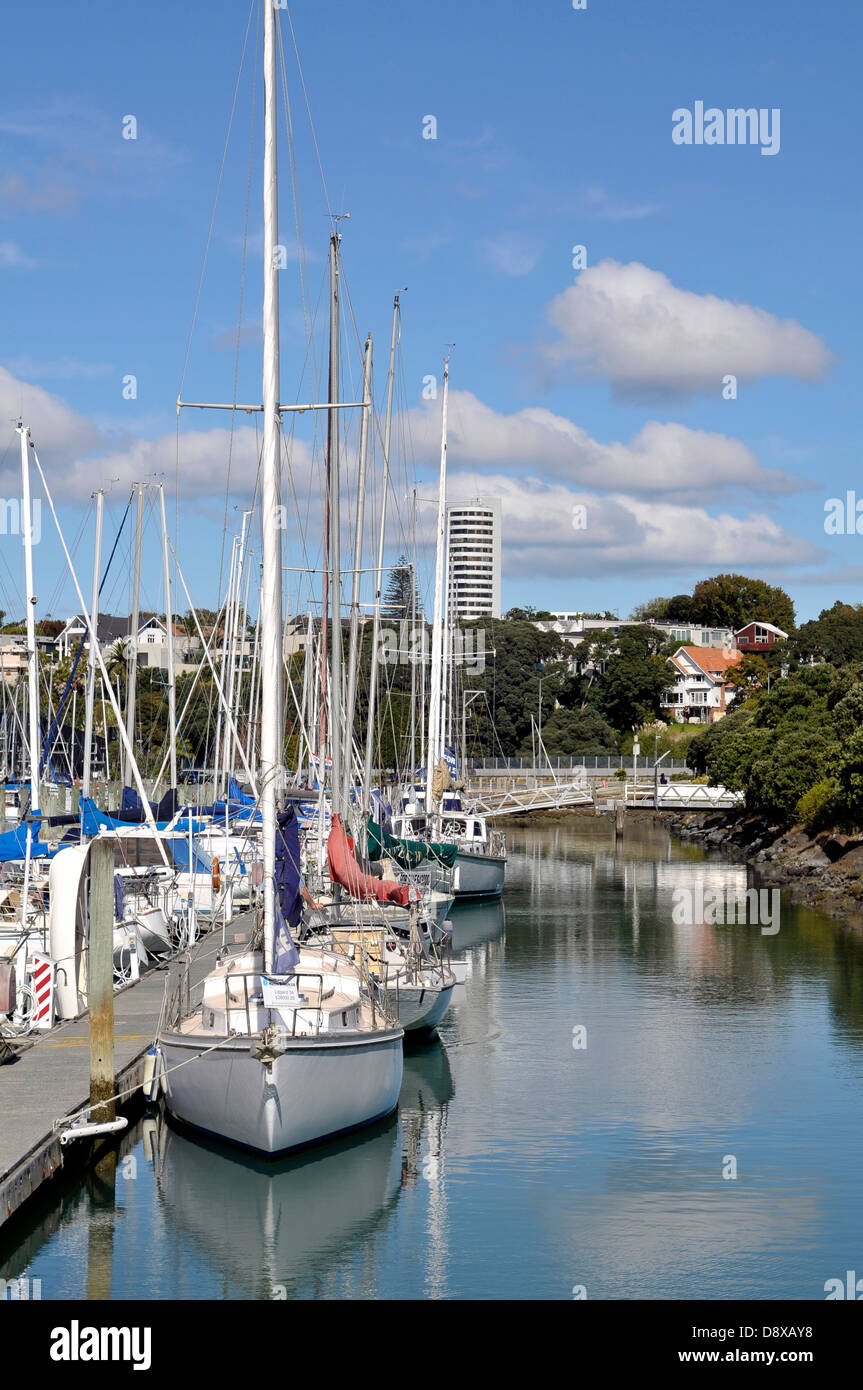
column 632, row 325
column 510, row 254
column 78, row 457
column 24, row 193
column 13, row 257
column 603, row 206
column 662, row 458
column 624, row 534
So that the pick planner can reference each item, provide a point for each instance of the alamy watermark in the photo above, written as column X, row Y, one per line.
column 400, row 646
column 733, row 126
column 755, row 907
column 844, row 515
column 22, row 1289
column 13, row 518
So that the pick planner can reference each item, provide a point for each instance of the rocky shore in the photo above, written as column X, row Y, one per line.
column 823, row 870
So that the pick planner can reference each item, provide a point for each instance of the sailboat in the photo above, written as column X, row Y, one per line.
column 479, row 865
column 288, row 1045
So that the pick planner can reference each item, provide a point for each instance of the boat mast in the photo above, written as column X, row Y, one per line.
column 337, row 732
column 379, row 569
column 91, row 665
column 271, row 582
column 434, row 725
column 358, row 549
column 131, row 685
column 169, row 623
column 32, row 660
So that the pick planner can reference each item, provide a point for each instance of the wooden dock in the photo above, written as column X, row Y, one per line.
column 50, row 1080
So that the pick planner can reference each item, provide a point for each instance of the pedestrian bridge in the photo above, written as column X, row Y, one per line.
column 515, row 801
column 681, row 796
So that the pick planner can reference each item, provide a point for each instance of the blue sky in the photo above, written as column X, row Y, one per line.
column 600, row 387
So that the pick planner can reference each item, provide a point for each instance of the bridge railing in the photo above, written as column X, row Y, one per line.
column 575, row 763
column 690, row 796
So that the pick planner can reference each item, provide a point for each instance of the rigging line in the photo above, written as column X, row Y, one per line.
column 308, row 104
column 205, row 258
column 302, row 261
column 252, row 126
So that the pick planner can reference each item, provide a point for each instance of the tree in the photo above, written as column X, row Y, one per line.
column 733, row 600
column 399, row 596
column 517, row 656
column 576, row 733
column 635, row 679
column 836, row 635
column 747, row 675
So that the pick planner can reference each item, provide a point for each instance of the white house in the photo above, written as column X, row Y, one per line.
column 699, row 694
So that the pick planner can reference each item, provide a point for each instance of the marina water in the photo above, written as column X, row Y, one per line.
column 618, row 1106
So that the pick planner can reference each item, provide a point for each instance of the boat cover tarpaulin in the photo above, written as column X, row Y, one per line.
column 132, row 810
column 198, row 862
column 345, row 871
column 93, row 820
column 13, row 845
column 408, row 854
column 236, row 793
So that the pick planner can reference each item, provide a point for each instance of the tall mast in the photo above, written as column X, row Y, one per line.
column 271, row 584
column 337, row 731
column 434, row 727
column 358, row 549
column 131, row 685
column 91, row 665
column 169, row 624
column 413, row 761
column 32, row 659
column 379, row 569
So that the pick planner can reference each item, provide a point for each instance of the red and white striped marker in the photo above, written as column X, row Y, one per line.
column 42, row 984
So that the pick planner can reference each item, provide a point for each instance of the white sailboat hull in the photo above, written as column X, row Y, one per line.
column 478, row 876
column 421, row 1006
column 316, row 1089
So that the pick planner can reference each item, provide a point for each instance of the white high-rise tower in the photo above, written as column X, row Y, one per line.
column 473, row 559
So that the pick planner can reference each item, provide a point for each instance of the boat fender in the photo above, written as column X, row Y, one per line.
column 152, row 1082
column 217, row 876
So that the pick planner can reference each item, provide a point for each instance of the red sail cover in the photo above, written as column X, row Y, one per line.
column 345, row 870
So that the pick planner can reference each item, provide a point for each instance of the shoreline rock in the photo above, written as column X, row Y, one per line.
column 823, row 871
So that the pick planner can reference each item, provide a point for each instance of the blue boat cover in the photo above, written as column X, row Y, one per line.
column 13, row 845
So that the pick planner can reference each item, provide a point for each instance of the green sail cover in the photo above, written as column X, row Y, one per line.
column 408, row 854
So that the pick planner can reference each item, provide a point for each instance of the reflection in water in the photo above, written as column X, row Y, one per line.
column 260, row 1225
column 519, row 1165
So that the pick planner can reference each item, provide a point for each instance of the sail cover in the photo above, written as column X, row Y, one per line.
column 289, row 902
column 408, row 854
column 345, row 871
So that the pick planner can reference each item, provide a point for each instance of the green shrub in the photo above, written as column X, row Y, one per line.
column 816, row 808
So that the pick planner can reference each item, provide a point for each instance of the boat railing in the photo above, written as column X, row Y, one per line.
column 179, row 1004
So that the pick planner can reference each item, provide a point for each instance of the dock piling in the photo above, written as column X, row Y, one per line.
column 101, row 979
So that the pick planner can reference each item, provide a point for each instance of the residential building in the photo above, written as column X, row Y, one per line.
column 699, row 693
column 758, row 638
column 473, row 548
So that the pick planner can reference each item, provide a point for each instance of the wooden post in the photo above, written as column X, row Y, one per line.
column 619, row 819
column 101, row 979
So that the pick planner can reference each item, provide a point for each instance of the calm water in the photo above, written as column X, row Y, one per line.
column 520, row 1166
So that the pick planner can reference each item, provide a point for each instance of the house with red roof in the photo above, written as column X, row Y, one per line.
column 699, row 693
